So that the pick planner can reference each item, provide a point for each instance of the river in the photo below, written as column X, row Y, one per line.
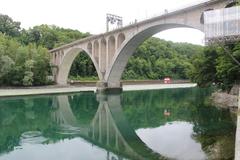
column 135, row 125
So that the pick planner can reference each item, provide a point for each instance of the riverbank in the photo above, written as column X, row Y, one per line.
column 129, row 82
column 226, row 100
column 9, row 92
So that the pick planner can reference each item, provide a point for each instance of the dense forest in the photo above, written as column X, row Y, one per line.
column 156, row 59
column 24, row 58
column 214, row 65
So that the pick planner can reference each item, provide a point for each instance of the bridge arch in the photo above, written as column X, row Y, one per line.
column 67, row 61
column 128, row 47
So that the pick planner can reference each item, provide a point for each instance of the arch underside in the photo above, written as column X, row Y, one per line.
column 65, row 66
column 127, row 49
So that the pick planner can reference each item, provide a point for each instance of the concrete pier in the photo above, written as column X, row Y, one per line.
column 237, row 145
column 106, row 88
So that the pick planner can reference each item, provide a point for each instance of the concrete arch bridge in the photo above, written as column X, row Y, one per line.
column 110, row 51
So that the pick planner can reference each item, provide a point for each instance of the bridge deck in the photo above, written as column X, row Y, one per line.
column 205, row 3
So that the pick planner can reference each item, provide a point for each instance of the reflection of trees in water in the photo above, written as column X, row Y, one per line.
column 20, row 115
column 212, row 126
column 83, row 106
column 215, row 130
column 146, row 108
column 38, row 113
column 101, row 123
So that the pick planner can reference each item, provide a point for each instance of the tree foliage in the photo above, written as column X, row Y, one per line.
column 50, row 36
column 83, row 67
column 156, row 59
column 8, row 26
column 22, row 65
column 24, row 56
column 214, row 65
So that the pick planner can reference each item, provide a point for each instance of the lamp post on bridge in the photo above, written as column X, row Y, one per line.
column 113, row 19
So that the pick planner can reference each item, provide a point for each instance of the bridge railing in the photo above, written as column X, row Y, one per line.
column 163, row 12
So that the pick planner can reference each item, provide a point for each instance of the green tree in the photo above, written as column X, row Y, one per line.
column 156, row 59
column 28, row 74
column 6, row 64
column 8, row 26
column 216, row 66
column 22, row 65
column 50, row 36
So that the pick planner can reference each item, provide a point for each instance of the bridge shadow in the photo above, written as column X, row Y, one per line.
column 107, row 129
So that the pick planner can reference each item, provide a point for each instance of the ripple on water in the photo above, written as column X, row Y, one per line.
column 68, row 130
column 32, row 137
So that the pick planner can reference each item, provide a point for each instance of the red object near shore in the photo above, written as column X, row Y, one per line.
column 167, row 80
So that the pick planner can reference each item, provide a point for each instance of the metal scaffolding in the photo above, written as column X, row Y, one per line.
column 222, row 25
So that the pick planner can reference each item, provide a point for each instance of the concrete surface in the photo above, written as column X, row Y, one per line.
column 39, row 91
column 70, row 89
column 156, row 86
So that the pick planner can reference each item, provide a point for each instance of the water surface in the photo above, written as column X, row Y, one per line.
column 160, row 124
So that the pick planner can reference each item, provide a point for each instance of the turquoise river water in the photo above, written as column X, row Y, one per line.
column 136, row 125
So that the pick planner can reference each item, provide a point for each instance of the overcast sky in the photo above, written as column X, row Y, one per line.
column 90, row 15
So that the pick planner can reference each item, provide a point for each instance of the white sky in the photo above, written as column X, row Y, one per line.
column 89, row 15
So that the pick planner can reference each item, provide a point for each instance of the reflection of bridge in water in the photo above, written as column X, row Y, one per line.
column 108, row 128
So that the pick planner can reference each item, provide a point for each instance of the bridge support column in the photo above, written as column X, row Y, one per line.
column 55, row 70
column 106, row 87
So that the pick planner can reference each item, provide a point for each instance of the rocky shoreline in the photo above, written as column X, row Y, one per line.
column 226, row 100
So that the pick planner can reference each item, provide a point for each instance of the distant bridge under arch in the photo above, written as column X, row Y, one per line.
column 110, row 51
